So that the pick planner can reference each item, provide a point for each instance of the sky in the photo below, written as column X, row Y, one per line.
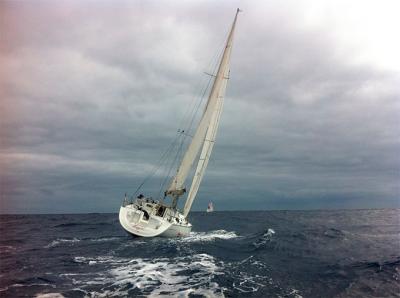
column 92, row 92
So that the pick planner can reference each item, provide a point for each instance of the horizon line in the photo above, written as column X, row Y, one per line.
column 249, row 210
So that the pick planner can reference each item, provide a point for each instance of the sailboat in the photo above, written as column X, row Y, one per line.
column 148, row 218
column 210, row 207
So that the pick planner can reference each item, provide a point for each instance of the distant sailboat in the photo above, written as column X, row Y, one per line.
column 210, row 207
column 148, row 218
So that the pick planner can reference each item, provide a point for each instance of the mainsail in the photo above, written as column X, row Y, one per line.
column 205, row 134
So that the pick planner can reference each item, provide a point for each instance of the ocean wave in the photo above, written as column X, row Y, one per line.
column 59, row 241
column 334, row 233
column 74, row 224
column 246, row 283
column 264, row 238
column 378, row 266
column 49, row 295
column 71, row 241
column 25, row 284
column 7, row 249
column 208, row 236
column 104, row 239
column 294, row 293
column 100, row 259
column 180, row 276
column 378, row 279
column 11, row 286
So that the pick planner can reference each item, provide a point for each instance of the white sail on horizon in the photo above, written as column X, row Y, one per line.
column 210, row 207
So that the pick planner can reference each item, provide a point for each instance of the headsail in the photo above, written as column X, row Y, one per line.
column 206, row 131
column 206, row 151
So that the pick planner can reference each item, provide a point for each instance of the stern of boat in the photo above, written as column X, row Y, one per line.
column 134, row 221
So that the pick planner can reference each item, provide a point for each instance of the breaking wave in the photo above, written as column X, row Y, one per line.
column 264, row 238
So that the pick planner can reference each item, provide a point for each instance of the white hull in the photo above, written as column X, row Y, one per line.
column 142, row 220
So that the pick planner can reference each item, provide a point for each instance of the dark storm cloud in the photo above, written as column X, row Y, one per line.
column 96, row 90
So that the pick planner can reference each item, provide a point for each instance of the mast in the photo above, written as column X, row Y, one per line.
column 206, row 131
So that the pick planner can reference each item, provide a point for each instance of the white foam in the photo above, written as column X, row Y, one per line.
column 173, row 277
column 295, row 293
column 266, row 237
column 208, row 236
column 92, row 261
column 49, row 295
column 247, row 283
column 178, row 276
column 105, row 239
column 251, row 283
column 147, row 274
column 62, row 241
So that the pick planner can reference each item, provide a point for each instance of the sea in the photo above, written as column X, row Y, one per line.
column 331, row 253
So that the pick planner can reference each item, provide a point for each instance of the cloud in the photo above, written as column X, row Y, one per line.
column 93, row 93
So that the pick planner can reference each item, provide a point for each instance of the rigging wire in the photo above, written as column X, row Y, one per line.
column 190, row 120
column 182, row 133
column 200, row 102
column 192, row 106
column 158, row 164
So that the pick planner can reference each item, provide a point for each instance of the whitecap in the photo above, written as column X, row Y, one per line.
column 180, row 276
column 49, row 295
column 106, row 239
column 294, row 293
column 62, row 241
column 270, row 232
column 266, row 237
column 250, row 283
column 91, row 261
column 208, row 236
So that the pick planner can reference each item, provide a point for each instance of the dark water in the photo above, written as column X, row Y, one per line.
column 351, row 253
